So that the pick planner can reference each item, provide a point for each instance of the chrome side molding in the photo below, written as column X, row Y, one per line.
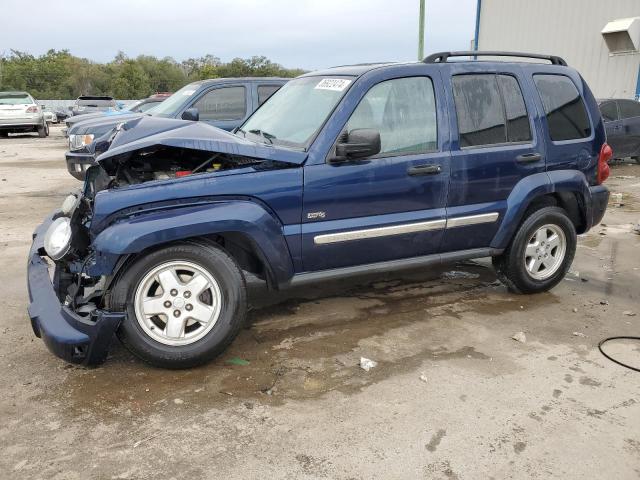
column 405, row 228
column 472, row 220
column 379, row 232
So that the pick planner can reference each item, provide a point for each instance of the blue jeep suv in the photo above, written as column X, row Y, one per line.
column 352, row 169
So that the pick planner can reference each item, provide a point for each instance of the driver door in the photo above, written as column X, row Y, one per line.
column 388, row 206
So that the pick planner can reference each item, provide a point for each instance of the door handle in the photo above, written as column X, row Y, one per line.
column 424, row 170
column 529, row 158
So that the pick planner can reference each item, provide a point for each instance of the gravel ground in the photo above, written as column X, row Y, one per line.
column 452, row 395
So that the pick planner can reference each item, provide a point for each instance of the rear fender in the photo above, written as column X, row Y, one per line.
column 137, row 233
column 534, row 186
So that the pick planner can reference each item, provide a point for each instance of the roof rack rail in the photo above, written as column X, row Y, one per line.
column 442, row 57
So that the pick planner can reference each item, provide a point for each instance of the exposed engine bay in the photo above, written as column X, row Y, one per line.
column 164, row 163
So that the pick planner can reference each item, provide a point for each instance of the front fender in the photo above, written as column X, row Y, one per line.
column 534, row 186
column 136, row 233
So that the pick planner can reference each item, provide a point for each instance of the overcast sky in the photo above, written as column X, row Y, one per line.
column 295, row 33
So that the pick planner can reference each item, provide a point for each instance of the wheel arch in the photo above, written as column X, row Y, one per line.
column 245, row 230
column 567, row 189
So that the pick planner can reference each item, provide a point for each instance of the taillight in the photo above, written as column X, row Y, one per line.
column 32, row 109
column 606, row 154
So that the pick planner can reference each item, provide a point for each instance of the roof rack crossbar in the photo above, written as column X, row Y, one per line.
column 442, row 57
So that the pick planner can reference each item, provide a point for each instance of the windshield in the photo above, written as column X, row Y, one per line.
column 294, row 114
column 169, row 107
column 14, row 99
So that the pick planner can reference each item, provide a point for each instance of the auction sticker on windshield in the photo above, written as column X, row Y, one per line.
column 336, row 84
column 188, row 93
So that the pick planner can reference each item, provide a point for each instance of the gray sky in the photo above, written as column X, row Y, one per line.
column 295, row 33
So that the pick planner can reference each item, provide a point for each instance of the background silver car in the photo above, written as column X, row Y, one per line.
column 19, row 112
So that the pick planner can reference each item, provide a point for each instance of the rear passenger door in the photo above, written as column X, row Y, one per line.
column 224, row 107
column 613, row 127
column 494, row 146
column 630, row 118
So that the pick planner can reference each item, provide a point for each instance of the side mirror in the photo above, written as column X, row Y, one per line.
column 358, row 143
column 191, row 114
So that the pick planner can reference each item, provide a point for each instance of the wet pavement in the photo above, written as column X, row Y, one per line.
column 452, row 395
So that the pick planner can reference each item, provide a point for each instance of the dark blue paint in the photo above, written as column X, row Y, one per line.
column 269, row 204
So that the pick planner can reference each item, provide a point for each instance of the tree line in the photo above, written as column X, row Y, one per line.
column 59, row 74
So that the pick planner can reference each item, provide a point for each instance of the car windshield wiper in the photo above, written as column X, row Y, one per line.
column 263, row 134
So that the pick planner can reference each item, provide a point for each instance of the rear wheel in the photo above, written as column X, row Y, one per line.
column 185, row 303
column 43, row 130
column 637, row 159
column 4, row 134
column 540, row 253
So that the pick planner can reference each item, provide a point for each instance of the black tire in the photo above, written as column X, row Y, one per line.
column 637, row 159
column 230, row 320
column 510, row 266
column 43, row 130
column 4, row 134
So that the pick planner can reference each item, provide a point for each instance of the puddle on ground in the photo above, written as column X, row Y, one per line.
column 305, row 342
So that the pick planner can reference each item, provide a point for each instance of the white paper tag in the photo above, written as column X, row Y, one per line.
column 335, row 84
column 188, row 93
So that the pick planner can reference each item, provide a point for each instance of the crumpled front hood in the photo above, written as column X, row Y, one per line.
column 148, row 132
column 97, row 122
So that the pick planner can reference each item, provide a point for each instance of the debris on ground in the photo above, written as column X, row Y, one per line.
column 455, row 274
column 423, row 378
column 238, row 361
column 578, row 334
column 616, row 198
column 636, row 229
column 520, row 337
column 178, row 401
column 367, row 364
column 575, row 310
column 604, row 302
column 629, row 313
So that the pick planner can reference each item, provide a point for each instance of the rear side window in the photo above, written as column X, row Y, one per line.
column 566, row 114
column 403, row 110
column 490, row 110
column 265, row 91
column 518, row 129
column 629, row 108
column 228, row 103
column 609, row 111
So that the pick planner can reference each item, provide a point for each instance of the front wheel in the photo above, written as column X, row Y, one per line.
column 540, row 253
column 185, row 303
column 637, row 159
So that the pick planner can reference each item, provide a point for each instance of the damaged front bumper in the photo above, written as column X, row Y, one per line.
column 80, row 339
column 79, row 162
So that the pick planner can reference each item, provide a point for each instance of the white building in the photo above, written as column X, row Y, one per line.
column 600, row 38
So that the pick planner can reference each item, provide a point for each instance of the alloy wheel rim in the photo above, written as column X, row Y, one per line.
column 177, row 303
column 545, row 252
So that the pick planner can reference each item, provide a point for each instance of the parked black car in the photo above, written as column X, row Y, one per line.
column 622, row 123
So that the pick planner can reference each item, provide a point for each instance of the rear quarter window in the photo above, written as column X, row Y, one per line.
column 566, row 114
